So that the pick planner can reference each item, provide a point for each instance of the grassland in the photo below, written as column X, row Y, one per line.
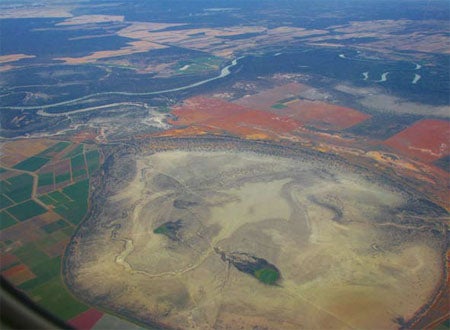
column 35, row 226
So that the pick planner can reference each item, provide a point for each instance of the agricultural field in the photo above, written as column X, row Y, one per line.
column 290, row 101
column 87, row 319
column 217, row 116
column 17, row 188
column 426, row 140
column 31, row 164
column 323, row 115
column 199, row 65
column 7, row 220
column 273, row 98
column 26, row 210
column 43, row 197
column 46, row 179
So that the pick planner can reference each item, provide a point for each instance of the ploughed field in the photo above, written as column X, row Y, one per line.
column 246, row 236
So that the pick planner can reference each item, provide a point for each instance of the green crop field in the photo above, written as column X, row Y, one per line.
column 77, row 161
column 62, row 177
column 6, row 220
column 26, row 210
column 44, row 267
column 46, row 200
column 30, row 255
column 4, row 201
column 79, row 173
column 31, row 164
column 18, row 188
column 54, row 296
column 54, row 226
column 71, row 203
column 47, row 288
column 58, row 197
column 78, row 191
column 75, row 151
column 45, row 179
column 93, row 161
column 75, row 209
column 58, row 147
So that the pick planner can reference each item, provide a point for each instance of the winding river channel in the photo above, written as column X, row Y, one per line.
column 223, row 73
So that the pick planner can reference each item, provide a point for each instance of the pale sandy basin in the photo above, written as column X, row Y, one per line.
column 347, row 257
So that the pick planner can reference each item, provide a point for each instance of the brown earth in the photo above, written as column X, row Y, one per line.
column 14, row 152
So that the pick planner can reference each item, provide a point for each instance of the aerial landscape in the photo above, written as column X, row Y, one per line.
column 227, row 164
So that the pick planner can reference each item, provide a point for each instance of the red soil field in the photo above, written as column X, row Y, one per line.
column 427, row 140
column 250, row 122
column 200, row 109
column 323, row 115
column 264, row 100
column 86, row 320
column 214, row 115
column 18, row 274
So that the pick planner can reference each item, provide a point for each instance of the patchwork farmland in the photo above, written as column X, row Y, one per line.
column 43, row 197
